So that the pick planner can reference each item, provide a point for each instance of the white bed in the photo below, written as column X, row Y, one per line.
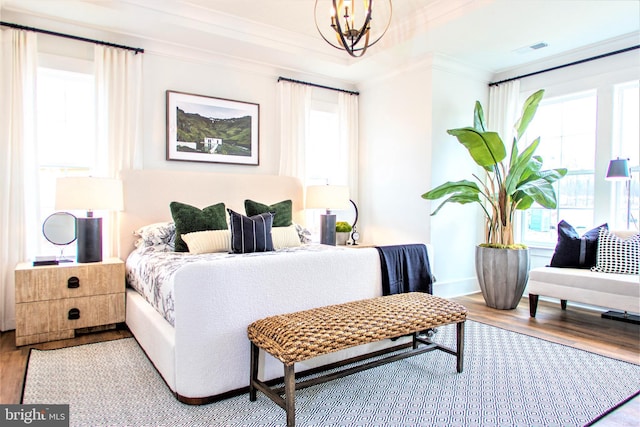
column 206, row 355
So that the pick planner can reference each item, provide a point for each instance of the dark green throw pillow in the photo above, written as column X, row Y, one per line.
column 189, row 219
column 283, row 211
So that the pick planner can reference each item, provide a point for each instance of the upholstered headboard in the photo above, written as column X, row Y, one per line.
column 147, row 194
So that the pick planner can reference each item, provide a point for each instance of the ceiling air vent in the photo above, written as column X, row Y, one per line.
column 538, row 46
column 531, row 48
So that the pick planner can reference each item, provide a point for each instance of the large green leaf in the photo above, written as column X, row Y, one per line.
column 520, row 166
column 528, row 111
column 478, row 118
column 461, row 192
column 533, row 167
column 486, row 148
column 449, row 187
column 542, row 192
column 458, row 198
column 522, row 200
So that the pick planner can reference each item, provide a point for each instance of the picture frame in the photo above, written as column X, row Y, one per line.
column 213, row 130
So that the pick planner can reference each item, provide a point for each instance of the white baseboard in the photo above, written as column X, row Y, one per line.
column 456, row 288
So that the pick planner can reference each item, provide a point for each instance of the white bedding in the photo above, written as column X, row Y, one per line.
column 150, row 270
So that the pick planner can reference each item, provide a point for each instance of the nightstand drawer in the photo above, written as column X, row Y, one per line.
column 49, row 320
column 86, row 311
column 56, row 282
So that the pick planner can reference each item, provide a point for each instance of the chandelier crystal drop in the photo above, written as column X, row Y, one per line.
column 351, row 23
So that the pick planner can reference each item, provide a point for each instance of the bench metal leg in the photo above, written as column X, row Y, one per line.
column 459, row 346
column 255, row 351
column 290, row 394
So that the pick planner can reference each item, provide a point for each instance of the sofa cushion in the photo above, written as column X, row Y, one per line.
column 573, row 250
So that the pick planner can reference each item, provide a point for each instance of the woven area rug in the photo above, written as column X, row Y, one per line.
column 509, row 379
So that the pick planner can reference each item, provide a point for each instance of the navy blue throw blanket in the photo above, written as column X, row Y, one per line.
column 405, row 268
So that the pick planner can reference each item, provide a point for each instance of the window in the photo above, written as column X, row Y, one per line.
column 66, row 135
column 626, row 144
column 326, row 159
column 567, row 129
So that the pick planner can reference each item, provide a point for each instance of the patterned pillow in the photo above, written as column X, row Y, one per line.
column 303, row 233
column 157, row 234
column 189, row 219
column 251, row 234
column 283, row 211
column 617, row 255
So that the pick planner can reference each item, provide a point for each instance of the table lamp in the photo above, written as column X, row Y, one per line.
column 619, row 171
column 89, row 193
column 327, row 197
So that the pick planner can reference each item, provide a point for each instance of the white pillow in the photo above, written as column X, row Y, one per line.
column 203, row 242
column 285, row 237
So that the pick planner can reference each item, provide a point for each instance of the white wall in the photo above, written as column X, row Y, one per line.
column 405, row 151
column 456, row 229
column 395, row 153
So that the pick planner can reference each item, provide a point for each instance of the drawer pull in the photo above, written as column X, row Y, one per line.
column 73, row 282
column 74, row 314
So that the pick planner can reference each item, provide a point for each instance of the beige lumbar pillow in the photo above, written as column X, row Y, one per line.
column 203, row 242
column 285, row 237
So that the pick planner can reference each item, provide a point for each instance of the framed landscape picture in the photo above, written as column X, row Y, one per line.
column 206, row 129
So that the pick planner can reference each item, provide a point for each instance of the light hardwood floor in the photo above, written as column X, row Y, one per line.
column 575, row 327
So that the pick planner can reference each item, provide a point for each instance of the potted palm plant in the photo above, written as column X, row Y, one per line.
column 513, row 181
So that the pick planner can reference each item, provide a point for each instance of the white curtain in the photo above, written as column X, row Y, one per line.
column 118, row 74
column 503, row 109
column 18, row 164
column 294, row 108
column 348, row 124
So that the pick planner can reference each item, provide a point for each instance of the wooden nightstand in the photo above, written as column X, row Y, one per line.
column 53, row 301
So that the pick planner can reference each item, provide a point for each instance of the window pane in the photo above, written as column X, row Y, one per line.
column 575, row 191
column 567, row 129
column 66, row 137
column 66, row 130
column 323, row 150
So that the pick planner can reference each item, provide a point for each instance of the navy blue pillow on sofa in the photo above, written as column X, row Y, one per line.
column 573, row 251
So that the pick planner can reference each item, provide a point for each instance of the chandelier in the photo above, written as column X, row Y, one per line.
column 353, row 27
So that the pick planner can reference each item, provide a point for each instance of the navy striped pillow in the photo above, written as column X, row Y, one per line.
column 250, row 234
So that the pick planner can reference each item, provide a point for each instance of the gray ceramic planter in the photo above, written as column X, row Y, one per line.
column 502, row 275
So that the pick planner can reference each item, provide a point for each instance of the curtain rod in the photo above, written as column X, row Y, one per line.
column 604, row 55
column 350, row 92
column 137, row 50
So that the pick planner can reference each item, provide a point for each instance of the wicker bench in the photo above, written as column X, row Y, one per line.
column 303, row 335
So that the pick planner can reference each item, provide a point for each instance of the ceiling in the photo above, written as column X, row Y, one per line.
column 490, row 35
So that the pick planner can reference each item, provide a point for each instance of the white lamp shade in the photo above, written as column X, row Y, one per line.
column 618, row 170
column 327, row 197
column 89, row 193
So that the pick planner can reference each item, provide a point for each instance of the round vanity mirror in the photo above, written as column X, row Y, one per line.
column 60, row 228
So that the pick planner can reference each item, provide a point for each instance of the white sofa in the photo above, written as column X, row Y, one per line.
column 608, row 290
